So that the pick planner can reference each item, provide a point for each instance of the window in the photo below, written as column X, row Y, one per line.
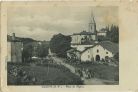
column 97, row 50
column 106, row 52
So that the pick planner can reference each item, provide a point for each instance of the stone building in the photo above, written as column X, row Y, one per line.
column 14, row 48
column 86, row 37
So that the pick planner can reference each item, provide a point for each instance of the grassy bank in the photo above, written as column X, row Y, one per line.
column 101, row 71
column 48, row 74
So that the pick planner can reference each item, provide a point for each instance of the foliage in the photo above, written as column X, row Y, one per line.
column 102, row 38
column 50, row 74
column 42, row 50
column 112, row 34
column 116, row 56
column 59, row 44
column 27, row 52
column 102, row 71
column 24, row 40
column 36, row 49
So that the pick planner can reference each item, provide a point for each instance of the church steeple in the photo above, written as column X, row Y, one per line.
column 92, row 24
column 92, row 20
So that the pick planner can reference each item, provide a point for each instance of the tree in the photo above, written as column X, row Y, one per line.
column 116, row 56
column 59, row 44
column 42, row 50
column 113, row 33
column 27, row 52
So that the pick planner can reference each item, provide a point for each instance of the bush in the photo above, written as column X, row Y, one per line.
column 58, row 74
column 102, row 71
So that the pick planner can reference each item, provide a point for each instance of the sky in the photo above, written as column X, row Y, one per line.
column 41, row 23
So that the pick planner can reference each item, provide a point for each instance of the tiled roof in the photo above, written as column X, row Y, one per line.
column 84, row 33
column 110, row 46
column 72, row 50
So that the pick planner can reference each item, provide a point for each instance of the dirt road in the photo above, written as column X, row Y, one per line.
column 92, row 81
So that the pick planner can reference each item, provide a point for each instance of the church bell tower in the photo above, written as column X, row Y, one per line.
column 92, row 24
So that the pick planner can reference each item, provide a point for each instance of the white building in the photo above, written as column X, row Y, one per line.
column 102, row 32
column 86, row 36
column 99, row 51
column 83, row 37
column 87, row 48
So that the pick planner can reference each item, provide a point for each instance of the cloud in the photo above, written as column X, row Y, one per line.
column 37, row 33
column 43, row 23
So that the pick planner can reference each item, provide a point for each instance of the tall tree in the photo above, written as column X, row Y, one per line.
column 59, row 44
column 42, row 50
column 27, row 52
column 114, row 34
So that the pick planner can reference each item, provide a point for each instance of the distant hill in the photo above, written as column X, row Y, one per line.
column 19, row 39
column 25, row 40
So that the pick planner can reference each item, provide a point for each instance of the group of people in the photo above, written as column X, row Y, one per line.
column 84, row 73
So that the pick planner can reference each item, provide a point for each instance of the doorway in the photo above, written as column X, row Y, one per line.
column 97, row 58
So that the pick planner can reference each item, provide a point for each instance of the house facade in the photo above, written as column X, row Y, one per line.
column 95, row 53
column 99, row 51
column 14, row 50
column 83, row 37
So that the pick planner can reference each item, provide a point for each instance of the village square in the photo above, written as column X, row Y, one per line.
column 87, row 57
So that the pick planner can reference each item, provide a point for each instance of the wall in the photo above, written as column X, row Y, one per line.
column 101, row 53
column 93, row 37
column 15, row 51
column 76, row 39
column 101, row 34
column 8, row 51
column 87, row 55
column 92, row 52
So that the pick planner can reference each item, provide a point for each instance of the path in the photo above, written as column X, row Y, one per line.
column 60, row 61
column 92, row 81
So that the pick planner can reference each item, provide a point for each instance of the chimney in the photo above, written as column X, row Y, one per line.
column 13, row 36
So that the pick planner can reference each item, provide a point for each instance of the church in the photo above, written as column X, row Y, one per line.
column 85, row 45
column 86, row 37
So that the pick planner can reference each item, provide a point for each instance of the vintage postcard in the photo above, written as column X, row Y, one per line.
column 61, row 45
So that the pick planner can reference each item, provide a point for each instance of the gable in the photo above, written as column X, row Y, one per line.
column 109, row 46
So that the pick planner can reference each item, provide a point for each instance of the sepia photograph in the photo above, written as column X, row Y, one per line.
column 63, row 45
